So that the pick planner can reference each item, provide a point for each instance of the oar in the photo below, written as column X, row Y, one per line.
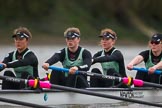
column 22, row 103
column 146, row 70
column 125, row 80
column 43, row 84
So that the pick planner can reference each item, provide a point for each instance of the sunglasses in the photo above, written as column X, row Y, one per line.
column 155, row 42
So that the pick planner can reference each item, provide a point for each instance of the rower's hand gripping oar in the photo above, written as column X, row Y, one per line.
column 125, row 80
column 146, row 70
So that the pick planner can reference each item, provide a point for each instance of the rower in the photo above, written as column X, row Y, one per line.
column 73, row 57
column 152, row 59
column 23, row 61
column 110, row 58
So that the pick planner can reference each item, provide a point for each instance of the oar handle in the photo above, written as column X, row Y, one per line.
column 140, row 83
column 1, row 66
column 60, row 69
column 86, row 73
column 146, row 70
column 127, row 81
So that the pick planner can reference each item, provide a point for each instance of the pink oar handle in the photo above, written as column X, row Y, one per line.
column 138, row 82
column 135, row 82
column 42, row 84
column 125, row 80
column 31, row 83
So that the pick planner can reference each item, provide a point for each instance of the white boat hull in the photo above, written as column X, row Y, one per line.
column 53, row 98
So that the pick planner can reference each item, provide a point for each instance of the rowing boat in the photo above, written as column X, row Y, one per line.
column 59, row 97
column 53, row 95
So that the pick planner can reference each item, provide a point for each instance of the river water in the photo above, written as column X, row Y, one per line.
column 43, row 52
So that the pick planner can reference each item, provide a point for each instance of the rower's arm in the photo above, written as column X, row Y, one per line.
column 137, row 60
column 29, row 59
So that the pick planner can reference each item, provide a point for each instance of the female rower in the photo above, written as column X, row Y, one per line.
column 23, row 61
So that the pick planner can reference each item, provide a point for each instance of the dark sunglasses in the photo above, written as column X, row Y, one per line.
column 155, row 42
